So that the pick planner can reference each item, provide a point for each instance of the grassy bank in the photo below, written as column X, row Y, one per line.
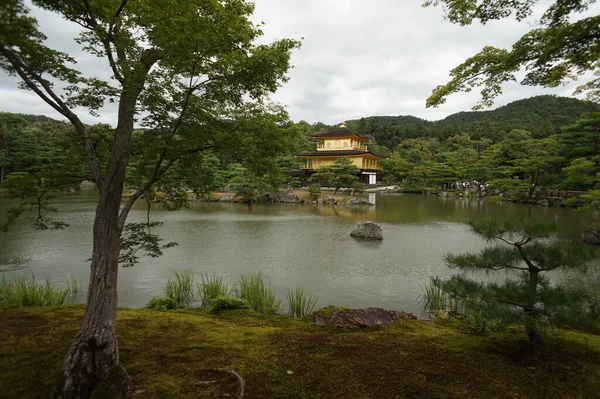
column 176, row 354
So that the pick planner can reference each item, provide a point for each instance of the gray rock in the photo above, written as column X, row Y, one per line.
column 357, row 201
column 543, row 202
column 87, row 184
column 226, row 198
column 555, row 201
column 591, row 237
column 368, row 231
column 282, row 196
column 350, row 319
column 320, row 201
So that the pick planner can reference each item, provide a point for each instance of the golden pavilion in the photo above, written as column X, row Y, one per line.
column 342, row 143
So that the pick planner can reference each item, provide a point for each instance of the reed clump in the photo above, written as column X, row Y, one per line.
column 435, row 299
column 211, row 287
column 180, row 288
column 299, row 303
column 260, row 296
column 23, row 291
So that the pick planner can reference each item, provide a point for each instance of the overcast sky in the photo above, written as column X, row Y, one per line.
column 358, row 58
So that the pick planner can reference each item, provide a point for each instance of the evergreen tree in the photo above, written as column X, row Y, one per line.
column 582, row 139
column 525, row 248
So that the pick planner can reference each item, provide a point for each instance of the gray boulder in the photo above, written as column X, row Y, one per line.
column 555, row 201
column 87, row 184
column 357, row 201
column 368, row 231
column 591, row 237
column 227, row 198
column 543, row 202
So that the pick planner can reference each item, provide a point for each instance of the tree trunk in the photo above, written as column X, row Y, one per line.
column 5, row 150
column 535, row 339
column 94, row 354
column 92, row 362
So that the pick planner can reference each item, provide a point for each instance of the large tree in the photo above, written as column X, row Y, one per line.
column 561, row 46
column 182, row 68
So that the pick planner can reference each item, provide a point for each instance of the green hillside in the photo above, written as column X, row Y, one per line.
column 542, row 116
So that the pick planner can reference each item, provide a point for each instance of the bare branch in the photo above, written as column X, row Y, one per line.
column 158, row 174
column 111, row 60
column 29, row 76
column 240, row 381
column 15, row 62
column 120, row 9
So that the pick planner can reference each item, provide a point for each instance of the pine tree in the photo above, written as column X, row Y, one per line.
column 342, row 173
column 527, row 249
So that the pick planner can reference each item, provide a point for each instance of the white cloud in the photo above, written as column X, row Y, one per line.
column 358, row 59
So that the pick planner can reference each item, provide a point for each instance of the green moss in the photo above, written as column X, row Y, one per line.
column 178, row 354
column 328, row 310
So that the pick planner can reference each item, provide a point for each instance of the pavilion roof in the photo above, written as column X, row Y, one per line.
column 340, row 132
column 336, row 153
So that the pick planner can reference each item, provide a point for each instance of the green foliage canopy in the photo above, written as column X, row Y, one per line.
column 563, row 46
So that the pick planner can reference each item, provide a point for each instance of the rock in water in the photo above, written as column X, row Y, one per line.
column 368, row 230
column 591, row 237
column 350, row 319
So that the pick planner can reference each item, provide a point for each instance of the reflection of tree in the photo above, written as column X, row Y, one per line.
column 359, row 212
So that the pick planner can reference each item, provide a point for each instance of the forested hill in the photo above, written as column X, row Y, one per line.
column 542, row 116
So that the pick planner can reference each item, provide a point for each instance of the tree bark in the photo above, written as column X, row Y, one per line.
column 5, row 150
column 535, row 339
column 92, row 362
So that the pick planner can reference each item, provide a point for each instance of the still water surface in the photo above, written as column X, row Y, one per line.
column 291, row 244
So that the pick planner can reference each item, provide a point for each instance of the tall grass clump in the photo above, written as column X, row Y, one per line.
column 435, row 299
column 210, row 288
column 300, row 304
column 259, row 295
column 22, row 291
column 180, row 288
column 74, row 286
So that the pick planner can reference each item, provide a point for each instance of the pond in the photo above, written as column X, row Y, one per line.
column 292, row 245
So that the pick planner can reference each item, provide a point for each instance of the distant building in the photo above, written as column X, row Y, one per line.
column 342, row 143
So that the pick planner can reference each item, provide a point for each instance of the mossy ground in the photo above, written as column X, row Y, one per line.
column 175, row 354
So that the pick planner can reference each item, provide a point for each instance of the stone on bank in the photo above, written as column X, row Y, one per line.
column 350, row 319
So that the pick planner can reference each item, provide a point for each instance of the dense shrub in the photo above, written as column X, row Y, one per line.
column 158, row 303
column 228, row 303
